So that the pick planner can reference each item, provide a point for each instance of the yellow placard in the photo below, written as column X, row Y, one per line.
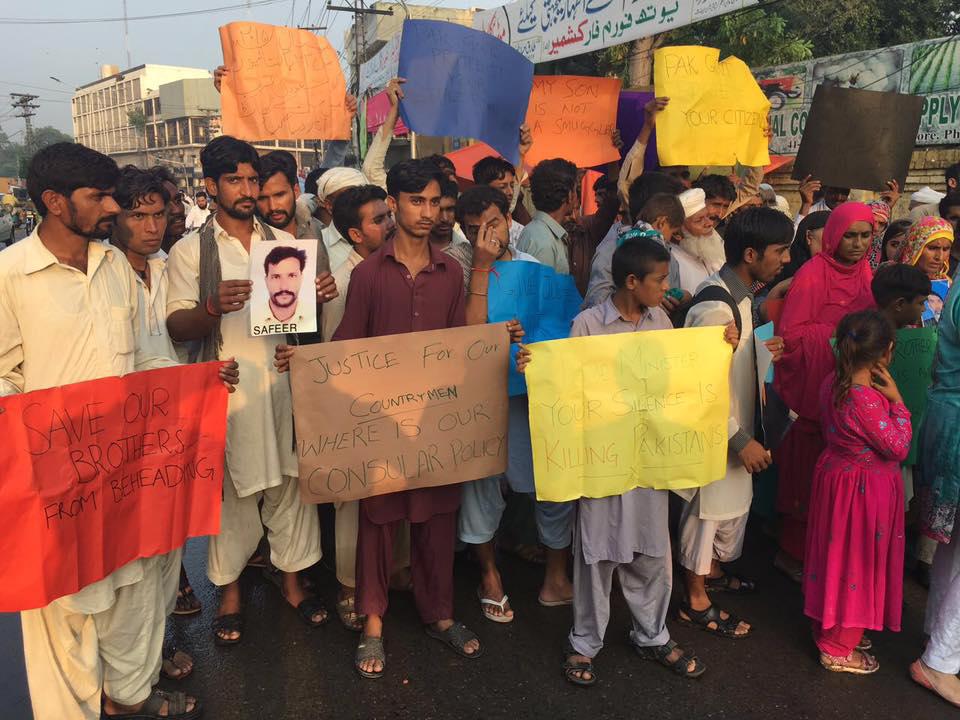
column 614, row 412
column 717, row 114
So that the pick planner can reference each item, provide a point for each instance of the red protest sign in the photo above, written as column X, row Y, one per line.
column 99, row 473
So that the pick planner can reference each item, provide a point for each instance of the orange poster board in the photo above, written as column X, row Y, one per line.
column 573, row 117
column 282, row 84
column 99, row 473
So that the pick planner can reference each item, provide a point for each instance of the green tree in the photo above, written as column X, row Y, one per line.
column 758, row 37
column 846, row 26
column 138, row 119
column 15, row 156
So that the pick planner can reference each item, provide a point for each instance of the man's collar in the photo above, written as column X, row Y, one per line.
column 738, row 290
column 220, row 233
column 555, row 228
column 37, row 257
column 437, row 257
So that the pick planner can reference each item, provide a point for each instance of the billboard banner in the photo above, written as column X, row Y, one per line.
column 544, row 30
column 930, row 69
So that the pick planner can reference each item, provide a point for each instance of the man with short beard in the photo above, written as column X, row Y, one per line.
column 277, row 206
column 70, row 312
column 208, row 301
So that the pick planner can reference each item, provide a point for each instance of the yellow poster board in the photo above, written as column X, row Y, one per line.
column 614, row 412
column 717, row 114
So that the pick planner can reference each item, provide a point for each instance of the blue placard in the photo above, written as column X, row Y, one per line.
column 463, row 83
column 762, row 334
column 544, row 301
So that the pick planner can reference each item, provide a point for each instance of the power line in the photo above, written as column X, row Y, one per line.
column 182, row 13
column 35, row 87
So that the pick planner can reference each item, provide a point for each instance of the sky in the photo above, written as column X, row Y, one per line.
column 38, row 56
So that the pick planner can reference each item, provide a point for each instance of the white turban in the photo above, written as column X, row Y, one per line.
column 339, row 178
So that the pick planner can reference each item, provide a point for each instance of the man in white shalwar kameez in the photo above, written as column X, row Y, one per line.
column 70, row 312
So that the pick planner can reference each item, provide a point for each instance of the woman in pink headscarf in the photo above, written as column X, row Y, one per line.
column 832, row 284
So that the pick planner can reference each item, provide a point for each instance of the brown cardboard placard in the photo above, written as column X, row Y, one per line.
column 397, row 412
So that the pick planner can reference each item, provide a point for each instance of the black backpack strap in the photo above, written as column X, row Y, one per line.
column 718, row 293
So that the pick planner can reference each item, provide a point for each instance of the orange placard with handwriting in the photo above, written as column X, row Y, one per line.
column 573, row 117
column 99, row 473
column 282, row 84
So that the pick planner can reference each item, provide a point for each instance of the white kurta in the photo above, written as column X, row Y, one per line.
column 337, row 247
column 260, row 413
column 730, row 497
column 59, row 326
column 333, row 309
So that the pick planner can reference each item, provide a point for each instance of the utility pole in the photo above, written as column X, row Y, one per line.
column 25, row 107
column 126, row 35
column 359, row 10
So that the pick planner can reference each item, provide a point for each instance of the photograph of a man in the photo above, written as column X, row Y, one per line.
column 283, row 273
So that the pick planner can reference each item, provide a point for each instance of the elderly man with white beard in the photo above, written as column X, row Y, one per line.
column 699, row 250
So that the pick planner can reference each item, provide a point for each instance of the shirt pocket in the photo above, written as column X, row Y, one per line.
column 121, row 330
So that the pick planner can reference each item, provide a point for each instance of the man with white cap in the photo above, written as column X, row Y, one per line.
column 924, row 202
column 699, row 252
column 330, row 185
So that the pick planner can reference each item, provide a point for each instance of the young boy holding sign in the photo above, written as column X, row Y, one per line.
column 624, row 533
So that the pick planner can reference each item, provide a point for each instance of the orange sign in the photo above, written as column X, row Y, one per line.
column 100, row 473
column 573, row 117
column 282, row 84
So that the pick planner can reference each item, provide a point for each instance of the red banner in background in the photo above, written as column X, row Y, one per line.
column 99, row 473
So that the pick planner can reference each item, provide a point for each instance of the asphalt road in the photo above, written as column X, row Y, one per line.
column 285, row 671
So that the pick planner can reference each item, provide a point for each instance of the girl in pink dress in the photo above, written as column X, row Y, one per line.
column 853, row 577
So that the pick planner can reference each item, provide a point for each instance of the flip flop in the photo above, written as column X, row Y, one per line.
column 486, row 603
column 554, row 603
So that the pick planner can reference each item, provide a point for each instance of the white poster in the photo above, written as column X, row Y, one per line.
column 376, row 72
column 284, row 296
column 545, row 30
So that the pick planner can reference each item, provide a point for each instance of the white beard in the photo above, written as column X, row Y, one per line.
column 706, row 248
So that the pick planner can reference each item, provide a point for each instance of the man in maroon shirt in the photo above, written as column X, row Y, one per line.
column 407, row 286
